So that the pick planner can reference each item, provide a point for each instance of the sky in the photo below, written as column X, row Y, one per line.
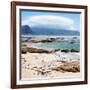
column 69, row 21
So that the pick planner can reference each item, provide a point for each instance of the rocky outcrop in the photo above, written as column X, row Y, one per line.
column 25, row 49
column 73, row 50
column 36, row 50
column 69, row 67
column 67, row 50
column 33, row 50
column 34, row 40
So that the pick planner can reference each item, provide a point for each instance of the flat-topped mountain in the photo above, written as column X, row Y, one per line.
column 26, row 30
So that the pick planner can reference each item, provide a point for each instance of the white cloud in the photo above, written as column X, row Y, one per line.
column 50, row 21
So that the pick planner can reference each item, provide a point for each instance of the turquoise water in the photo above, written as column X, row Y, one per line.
column 56, row 44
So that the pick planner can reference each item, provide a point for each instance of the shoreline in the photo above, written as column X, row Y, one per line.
column 40, row 63
column 49, row 65
column 53, row 43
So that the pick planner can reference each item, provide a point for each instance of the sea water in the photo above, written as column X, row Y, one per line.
column 66, row 44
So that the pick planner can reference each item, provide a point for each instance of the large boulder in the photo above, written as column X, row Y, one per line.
column 71, row 66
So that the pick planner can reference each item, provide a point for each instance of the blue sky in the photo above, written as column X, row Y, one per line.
column 27, row 16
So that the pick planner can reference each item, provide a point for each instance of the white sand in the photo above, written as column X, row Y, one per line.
column 38, row 65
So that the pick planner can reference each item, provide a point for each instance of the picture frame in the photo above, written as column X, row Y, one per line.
column 48, row 17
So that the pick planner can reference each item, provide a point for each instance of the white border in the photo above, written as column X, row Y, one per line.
column 20, row 82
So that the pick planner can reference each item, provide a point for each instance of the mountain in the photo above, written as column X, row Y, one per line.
column 25, row 30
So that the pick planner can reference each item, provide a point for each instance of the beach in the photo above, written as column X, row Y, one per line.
column 52, row 65
column 50, row 57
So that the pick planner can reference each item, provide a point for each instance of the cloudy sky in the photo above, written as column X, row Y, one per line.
column 66, row 21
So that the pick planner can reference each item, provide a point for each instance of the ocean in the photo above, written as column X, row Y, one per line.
column 61, row 42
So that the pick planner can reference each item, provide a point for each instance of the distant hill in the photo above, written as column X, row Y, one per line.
column 26, row 30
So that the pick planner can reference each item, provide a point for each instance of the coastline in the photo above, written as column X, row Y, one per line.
column 52, row 65
column 39, row 62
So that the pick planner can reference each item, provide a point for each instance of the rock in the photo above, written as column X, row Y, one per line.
column 66, row 50
column 36, row 50
column 52, row 39
column 24, row 50
column 46, row 40
column 34, row 40
column 71, row 66
column 73, row 50
column 55, row 50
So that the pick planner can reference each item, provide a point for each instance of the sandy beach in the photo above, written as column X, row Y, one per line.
column 50, row 65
